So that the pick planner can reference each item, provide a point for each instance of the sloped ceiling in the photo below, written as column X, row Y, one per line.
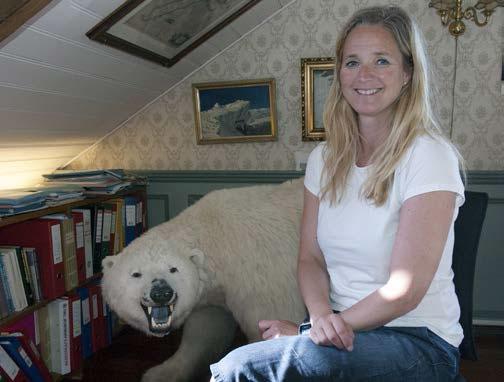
column 61, row 92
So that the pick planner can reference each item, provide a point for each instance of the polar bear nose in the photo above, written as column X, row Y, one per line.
column 161, row 292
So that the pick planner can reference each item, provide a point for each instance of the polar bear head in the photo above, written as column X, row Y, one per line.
column 154, row 283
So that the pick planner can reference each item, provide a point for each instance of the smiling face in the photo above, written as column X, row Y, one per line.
column 372, row 72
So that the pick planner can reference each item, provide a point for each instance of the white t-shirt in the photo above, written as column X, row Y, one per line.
column 356, row 237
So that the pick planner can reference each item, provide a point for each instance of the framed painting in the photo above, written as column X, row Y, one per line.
column 502, row 75
column 316, row 80
column 235, row 111
column 164, row 31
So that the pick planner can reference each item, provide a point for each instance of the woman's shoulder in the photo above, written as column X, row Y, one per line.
column 318, row 151
column 428, row 148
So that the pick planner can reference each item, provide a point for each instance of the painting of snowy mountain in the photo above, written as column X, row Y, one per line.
column 239, row 111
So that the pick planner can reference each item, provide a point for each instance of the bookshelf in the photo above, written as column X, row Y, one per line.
column 67, row 207
column 73, row 293
column 18, row 315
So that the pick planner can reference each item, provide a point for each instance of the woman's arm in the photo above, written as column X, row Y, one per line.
column 424, row 223
column 313, row 279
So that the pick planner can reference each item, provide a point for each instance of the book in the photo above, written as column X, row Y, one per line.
column 9, row 369
column 23, row 358
column 119, row 226
column 74, row 304
column 106, row 231
column 87, row 219
column 34, row 366
column 113, row 224
column 45, row 237
column 6, row 288
column 98, row 239
column 80, row 252
column 4, row 308
column 44, row 326
column 31, row 259
column 87, row 347
column 26, row 275
column 130, row 219
column 97, row 333
column 68, row 249
column 60, row 336
column 14, row 277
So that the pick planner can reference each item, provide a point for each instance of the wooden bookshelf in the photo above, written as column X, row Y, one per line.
column 64, row 208
column 7, row 223
column 18, row 315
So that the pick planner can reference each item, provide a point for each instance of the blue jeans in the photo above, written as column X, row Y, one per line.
column 383, row 354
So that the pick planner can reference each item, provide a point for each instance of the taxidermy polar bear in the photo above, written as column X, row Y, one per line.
column 230, row 258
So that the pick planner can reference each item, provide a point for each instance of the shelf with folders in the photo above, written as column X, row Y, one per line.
column 68, row 243
column 31, row 308
column 62, row 208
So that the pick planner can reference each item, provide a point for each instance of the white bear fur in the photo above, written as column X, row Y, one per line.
column 235, row 251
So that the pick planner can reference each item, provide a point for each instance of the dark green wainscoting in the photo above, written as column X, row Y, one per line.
column 170, row 192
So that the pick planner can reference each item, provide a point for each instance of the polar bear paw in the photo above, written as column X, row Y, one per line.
column 163, row 373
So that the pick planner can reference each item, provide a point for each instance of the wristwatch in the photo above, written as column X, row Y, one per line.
column 304, row 328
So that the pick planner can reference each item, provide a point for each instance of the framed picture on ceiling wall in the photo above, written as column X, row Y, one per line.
column 235, row 111
column 316, row 80
column 164, row 31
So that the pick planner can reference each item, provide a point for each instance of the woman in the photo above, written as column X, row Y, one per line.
column 381, row 198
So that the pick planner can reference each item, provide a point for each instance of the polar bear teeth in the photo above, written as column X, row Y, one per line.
column 165, row 325
column 160, row 317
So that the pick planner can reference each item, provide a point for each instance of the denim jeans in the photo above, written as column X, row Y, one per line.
column 383, row 354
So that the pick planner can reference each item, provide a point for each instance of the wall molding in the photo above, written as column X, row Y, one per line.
column 224, row 176
column 197, row 176
column 485, row 177
column 180, row 189
column 164, row 198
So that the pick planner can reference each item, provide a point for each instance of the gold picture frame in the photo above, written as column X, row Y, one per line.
column 316, row 78
column 235, row 111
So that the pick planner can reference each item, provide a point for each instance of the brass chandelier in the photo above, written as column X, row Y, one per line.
column 452, row 13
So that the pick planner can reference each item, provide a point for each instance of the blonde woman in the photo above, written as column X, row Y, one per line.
column 381, row 198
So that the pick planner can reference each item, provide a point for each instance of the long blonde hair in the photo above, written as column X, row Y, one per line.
column 412, row 113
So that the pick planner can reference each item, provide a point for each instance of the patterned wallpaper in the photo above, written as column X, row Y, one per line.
column 162, row 136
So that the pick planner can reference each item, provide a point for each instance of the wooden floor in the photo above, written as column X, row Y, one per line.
column 490, row 365
column 132, row 353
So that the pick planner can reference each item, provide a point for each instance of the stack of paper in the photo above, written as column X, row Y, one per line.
column 17, row 201
column 57, row 193
column 96, row 182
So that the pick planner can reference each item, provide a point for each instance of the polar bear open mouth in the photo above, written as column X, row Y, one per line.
column 159, row 317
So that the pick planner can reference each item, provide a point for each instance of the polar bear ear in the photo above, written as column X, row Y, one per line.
column 108, row 262
column 197, row 257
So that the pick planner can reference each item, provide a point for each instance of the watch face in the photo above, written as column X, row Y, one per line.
column 304, row 328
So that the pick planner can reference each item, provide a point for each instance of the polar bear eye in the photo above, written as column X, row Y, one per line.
column 136, row 274
column 173, row 270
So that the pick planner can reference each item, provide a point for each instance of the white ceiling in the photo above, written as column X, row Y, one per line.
column 61, row 92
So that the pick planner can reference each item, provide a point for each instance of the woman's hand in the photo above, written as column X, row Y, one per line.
column 331, row 330
column 277, row 328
